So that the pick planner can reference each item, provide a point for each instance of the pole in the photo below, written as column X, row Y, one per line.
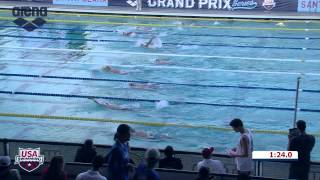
column 296, row 102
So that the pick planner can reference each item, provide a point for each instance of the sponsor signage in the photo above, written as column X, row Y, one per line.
column 82, row 2
column 309, row 6
column 226, row 5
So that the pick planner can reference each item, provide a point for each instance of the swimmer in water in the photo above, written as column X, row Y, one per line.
column 162, row 62
column 145, row 135
column 147, row 86
column 113, row 70
column 125, row 33
column 108, row 105
column 148, row 44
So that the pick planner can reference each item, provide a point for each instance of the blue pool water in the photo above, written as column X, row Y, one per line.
column 220, row 69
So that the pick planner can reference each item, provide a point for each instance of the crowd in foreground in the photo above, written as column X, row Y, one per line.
column 121, row 167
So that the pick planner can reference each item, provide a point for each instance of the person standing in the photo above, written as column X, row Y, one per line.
column 303, row 143
column 118, row 158
column 243, row 152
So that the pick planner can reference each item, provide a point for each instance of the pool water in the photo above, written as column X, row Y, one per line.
column 218, row 69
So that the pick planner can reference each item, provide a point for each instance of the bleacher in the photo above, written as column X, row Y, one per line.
column 262, row 169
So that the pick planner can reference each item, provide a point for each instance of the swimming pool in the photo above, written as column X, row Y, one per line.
column 218, row 69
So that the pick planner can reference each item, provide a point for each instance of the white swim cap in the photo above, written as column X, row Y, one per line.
column 162, row 104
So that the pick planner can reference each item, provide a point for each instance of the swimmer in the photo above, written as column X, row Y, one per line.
column 126, row 33
column 147, row 86
column 162, row 62
column 281, row 24
column 113, row 70
column 145, row 135
column 149, row 43
column 108, row 105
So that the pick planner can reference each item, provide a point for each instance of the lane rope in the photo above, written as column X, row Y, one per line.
column 175, row 34
column 170, row 25
column 152, row 124
column 159, row 54
column 169, row 67
column 155, row 100
column 152, row 82
column 164, row 43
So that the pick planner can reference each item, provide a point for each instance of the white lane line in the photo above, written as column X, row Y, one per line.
column 175, row 68
column 161, row 54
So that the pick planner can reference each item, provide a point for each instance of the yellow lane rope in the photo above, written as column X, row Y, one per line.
column 153, row 124
column 176, row 18
column 171, row 25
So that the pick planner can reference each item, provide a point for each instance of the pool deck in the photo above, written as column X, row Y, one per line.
column 169, row 12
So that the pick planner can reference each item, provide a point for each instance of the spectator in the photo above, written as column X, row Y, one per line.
column 170, row 162
column 93, row 174
column 243, row 152
column 118, row 157
column 204, row 174
column 5, row 172
column 214, row 166
column 86, row 153
column 303, row 143
column 146, row 170
column 55, row 170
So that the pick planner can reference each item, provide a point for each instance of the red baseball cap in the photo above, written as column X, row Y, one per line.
column 206, row 152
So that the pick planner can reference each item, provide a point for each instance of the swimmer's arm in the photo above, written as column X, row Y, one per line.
column 149, row 42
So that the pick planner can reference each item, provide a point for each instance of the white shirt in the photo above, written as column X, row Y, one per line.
column 245, row 163
column 90, row 175
column 215, row 166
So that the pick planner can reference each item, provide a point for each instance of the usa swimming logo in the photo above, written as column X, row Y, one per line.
column 29, row 159
column 37, row 12
column 268, row 4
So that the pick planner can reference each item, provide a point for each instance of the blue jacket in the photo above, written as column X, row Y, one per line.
column 118, row 160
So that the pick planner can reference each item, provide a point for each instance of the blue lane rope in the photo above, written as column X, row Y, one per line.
column 176, row 34
column 154, row 82
column 155, row 100
column 177, row 44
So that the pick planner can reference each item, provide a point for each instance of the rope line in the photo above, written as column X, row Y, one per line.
column 175, row 68
column 152, row 124
column 155, row 100
column 177, row 34
column 159, row 54
column 170, row 25
column 178, row 18
column 153, row 82
column 177, row 44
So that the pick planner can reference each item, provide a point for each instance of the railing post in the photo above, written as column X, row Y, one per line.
column 6, row 147
column 296, row 102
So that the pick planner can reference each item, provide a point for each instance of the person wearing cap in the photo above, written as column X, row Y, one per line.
column 170, row 162
column 146, row 170
column 86, row 153
column 5, row 172
column 214, row 166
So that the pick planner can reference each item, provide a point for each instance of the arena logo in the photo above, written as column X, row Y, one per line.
column 268, row 4
column 22, row 12
column 29, row 159
column 247, row 4
column 208, row 4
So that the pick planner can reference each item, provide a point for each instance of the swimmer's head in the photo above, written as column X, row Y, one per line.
column 108, row 68
column 132, row 84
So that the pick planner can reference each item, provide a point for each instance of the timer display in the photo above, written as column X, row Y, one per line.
column 274, row 155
